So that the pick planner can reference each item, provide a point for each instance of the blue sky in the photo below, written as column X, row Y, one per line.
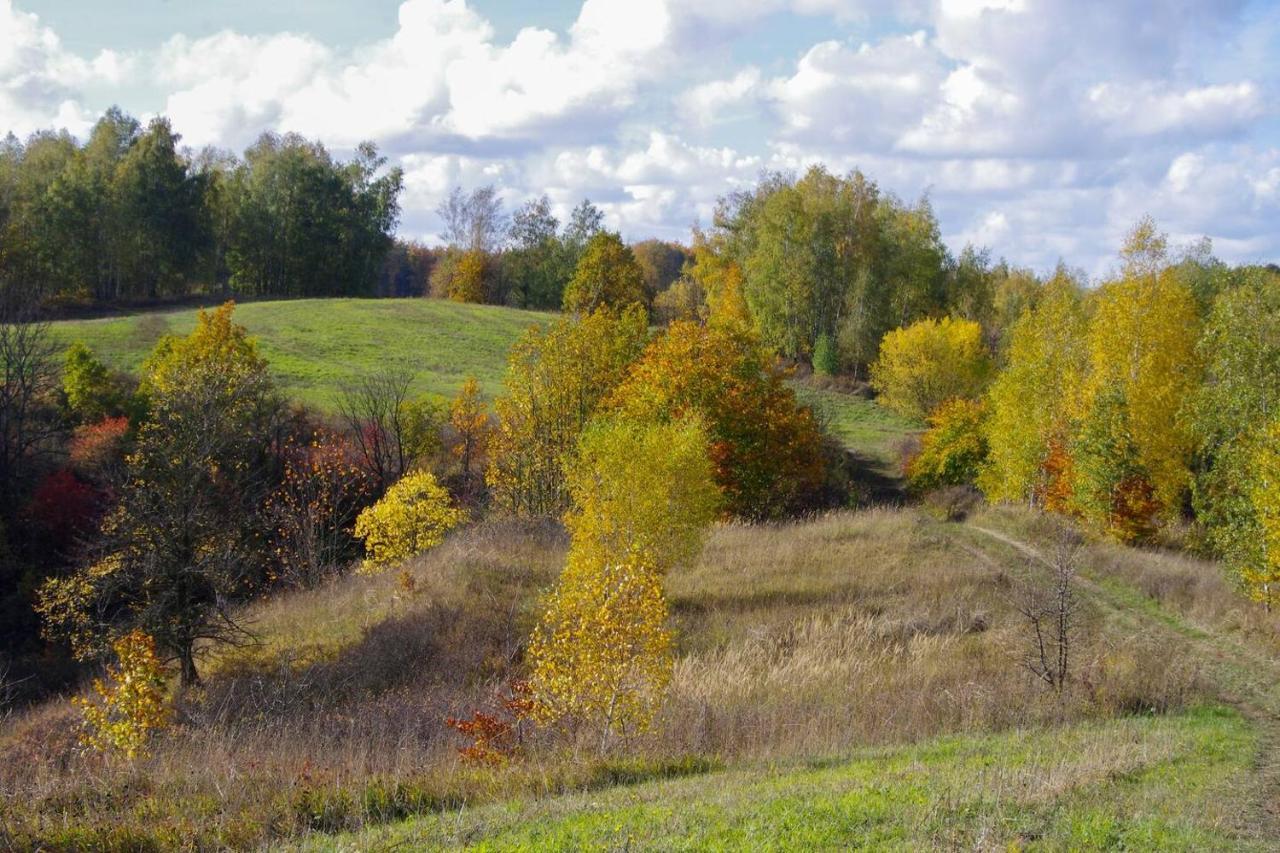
column 1039, row 129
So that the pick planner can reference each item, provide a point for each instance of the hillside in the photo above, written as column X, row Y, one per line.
column 851, row 680
column 314, row 346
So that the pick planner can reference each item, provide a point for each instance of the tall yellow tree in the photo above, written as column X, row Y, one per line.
column 1030, row 401
column 643, row 495
column 1142, row 347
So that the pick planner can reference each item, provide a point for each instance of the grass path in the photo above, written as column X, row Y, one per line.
column 1244, row 677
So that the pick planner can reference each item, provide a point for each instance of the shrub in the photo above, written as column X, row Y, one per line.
column 92, row 392
column 1262, row 579
column 929, row 362
column 412, row 517
column 315, row 507
column 826, row 359
column 131, row 704
column 97, row 450
column 953, row 448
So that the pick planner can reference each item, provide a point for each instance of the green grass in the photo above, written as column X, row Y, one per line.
column 863, row 425
column 315, row 346
column 1154, row 783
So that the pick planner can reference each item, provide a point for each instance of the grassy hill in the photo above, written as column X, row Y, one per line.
column 847, row 681
column 314, row 346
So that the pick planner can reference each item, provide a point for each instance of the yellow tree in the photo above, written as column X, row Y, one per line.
column 644, row 494
column 929, row 362
column 607, row 276
column 1142, row 347
column 469, row 419
column 556, row 380
column 1262, row 580
column 1030, row 406
column 412, row 517
column 131, row 704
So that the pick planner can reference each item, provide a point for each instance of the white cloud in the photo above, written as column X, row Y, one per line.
column 705, row 103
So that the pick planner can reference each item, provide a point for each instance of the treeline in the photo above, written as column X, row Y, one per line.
column 131, row 217
column 1148, row 406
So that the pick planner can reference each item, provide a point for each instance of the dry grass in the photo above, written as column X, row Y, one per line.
column 796, row 641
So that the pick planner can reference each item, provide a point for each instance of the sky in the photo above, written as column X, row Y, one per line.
column 1040, row 130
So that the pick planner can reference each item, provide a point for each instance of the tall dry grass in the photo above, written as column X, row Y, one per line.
column 796, row 641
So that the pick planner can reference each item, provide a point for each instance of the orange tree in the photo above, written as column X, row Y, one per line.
column 766, row 448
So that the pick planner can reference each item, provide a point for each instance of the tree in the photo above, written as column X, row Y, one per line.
column 556, row 381
column 1142, row 346
column 92, row 392
column 411, row 518
column 660, row 265
column 184, row 542
column 766, row 447
column 1111, row 488
column 537, row 264
column 607, row 276
column 952, row 449
column 643, row 495
column 29, row 421
column 1031, row 400
column 473, row 222
column 929, row 362
column 469, row 420
column 462, row 276
column 1239, row 398
column 389, row 430
column 1262, row 575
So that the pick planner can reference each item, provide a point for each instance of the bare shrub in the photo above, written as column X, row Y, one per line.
column 1050, row 608
column 952, row 503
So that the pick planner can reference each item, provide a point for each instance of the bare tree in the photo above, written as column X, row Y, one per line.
column 375, row 410
column 1051, row 610
column 474, row 221
column 29, row 421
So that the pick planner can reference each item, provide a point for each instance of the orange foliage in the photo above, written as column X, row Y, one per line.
column 495, row 737
column 1054, row 490
column 765, row 446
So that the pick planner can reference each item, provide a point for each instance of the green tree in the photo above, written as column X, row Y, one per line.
column 607, row 276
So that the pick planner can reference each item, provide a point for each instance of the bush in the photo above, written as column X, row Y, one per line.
column 925, row 364
column 953, row 448
column 412, row 517
column 131, row 704
column 826, row 359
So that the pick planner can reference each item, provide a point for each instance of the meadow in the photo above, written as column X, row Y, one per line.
column 851, row 680
column 316, row 346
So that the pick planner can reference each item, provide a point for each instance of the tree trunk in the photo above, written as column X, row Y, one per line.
column 190, row 678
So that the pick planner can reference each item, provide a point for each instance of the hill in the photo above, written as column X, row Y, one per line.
column 314, row 346
column 852, row 680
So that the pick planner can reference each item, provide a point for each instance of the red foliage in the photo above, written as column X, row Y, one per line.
column 495, row 737
column 96, row 448
column 62, row 505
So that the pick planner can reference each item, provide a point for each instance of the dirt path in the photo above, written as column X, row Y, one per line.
column 1245, row 678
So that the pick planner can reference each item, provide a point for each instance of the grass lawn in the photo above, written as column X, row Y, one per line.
column 314, row 346
column 863, row 425
column 1147, row 783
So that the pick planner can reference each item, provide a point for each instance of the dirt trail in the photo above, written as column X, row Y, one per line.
column 1245, row 678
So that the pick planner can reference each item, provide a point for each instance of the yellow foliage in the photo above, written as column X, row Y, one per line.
column 602, row 653
column 1031, row 399
column 413, row 516
column 217, row 348
column 929, row 362
column 644, row 488
column 1142, row 345
column 556, row 380
column 470, row 422
column 1263, row 580
column 131, row 704
column 643, row 496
